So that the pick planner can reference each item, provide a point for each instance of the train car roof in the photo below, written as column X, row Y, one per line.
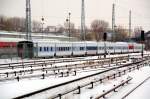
column 11, row 39
column 44, row 40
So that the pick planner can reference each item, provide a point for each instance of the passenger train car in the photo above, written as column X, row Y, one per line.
column 8, row 47
column 61, row 49
column 43, row 48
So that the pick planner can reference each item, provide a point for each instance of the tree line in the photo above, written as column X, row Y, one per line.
column 94, row 32
column 17, row 24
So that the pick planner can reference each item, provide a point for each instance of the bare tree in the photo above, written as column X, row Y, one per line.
column 12, row 24
column 90, row 36
column 70, row 27
column 60, row 28
column 2, row 22
column 36, row 26
column 99, row 27
column 121, row 33
column 137, row 31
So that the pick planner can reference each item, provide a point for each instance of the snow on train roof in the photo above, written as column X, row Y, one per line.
column 45, row 40
column 11, row 39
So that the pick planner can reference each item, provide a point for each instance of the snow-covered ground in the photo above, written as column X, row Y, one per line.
column 141, row 92
column 13, row 89
column 137, row 75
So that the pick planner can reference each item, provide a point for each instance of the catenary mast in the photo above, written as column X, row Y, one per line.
column 83, row 34
column 28, row 20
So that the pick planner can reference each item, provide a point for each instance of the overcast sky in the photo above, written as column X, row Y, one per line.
column 56, row 11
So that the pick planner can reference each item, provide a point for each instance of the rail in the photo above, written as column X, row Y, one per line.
column 137, row 65
column 52, row 61
column 113, row 89
column 47, row 68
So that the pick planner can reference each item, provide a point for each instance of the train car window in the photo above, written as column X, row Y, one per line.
column 81, row 48
column 65, row 49
column 68, row 48
column 91, row 48
column 51, row 48
column 40, row 49
column 44, row 48
column 47, row 48
column 110, row 47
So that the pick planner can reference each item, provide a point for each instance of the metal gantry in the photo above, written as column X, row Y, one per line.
column 113, row 22
column 69, row 25
column 83, row 34
column 130, row 24
column 28, row 20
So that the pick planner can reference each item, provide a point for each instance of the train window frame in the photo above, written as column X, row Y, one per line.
column 91, row 47
column 45, row 49
column 51, row 48
column 40, row 49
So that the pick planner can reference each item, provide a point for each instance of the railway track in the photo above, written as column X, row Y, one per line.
column 130, row 92
column 50, row 71
column 75, row 86
column 45, row 62
column 45, row 71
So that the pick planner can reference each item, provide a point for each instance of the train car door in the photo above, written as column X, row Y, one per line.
column 25, row 49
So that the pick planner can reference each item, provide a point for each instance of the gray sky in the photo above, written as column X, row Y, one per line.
column 56, row 11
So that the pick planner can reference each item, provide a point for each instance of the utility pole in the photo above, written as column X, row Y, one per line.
column 68, row 24
column 83, row 34
column 113, row 22
column 130, row 24
column 28, row 20
column 42, row 26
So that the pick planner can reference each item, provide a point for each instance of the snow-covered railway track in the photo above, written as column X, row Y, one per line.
column 45, row 62
column 19, row 68
column 46, row 71
column 75, row 85
column 50, row 71
column 130, row 92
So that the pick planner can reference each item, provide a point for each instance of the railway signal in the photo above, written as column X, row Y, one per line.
column 142, row 36
column 105, row 38
column 142, row 41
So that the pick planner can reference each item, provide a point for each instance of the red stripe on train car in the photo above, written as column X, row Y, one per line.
column 8, row 44
column 130, row 46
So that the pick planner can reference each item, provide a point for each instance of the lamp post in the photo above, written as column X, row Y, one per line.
column 42, row 26
column 68, row 22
